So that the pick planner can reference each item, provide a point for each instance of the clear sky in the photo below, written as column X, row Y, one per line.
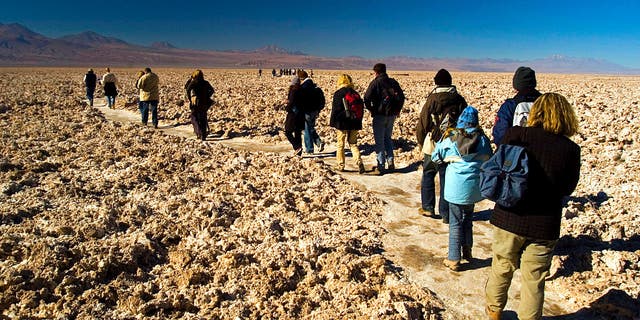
column 519, row 30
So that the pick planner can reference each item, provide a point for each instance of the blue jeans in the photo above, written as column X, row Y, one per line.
column 144, row 110
column 460, row 229
column 111, row 101
column 382, row 130
column 428, row 187
column 311, row 137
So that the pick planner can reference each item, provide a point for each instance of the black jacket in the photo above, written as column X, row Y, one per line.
column 440, row 101
column 339, row 118
column 374, row 95
column 311, row 97
column 504, row 118
column 295, row 116
column 201, row 89
column 90, row 80
column 554, row 171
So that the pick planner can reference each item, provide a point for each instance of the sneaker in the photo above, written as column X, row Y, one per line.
column 466, row 253
column 380, row 170
column 425, row 212
column 452, row 265
column 338, row 168
column 391, row 166
column 361, row 168
column 321, row 147
column 493, row 315
column 155, row 126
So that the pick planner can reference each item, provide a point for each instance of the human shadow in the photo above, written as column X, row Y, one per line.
column 410, row 168
column 484, row 215
column 475, row 264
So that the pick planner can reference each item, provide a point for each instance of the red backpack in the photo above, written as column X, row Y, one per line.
column 353, row 105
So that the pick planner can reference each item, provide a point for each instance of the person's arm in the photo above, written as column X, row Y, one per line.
column 503, row 121
column 369, row 96
column 422, row 127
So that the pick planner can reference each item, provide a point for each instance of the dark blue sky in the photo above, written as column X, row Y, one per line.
column 373, row 29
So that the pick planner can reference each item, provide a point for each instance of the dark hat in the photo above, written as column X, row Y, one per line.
column 468, row 118
column 442, row 78
column 524, row 78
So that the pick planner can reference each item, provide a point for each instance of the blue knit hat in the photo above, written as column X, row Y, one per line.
column 468, row 118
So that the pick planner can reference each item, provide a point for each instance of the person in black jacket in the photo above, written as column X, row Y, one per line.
column 383, row 91
column 311, row 102
column 199, row 92
column 90, row 80
column 347, row 127
column 524, row 82
column 526, row 234
column 294, row 123
column 441, row 111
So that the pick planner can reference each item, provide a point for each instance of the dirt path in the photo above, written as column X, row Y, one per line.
column 417, row 244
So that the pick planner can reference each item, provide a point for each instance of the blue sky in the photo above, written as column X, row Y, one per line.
column 373, row 29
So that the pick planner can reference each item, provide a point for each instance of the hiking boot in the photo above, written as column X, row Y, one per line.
column 391, row 166
column 426, row 212
column 297, row 152
column 338, row 168
column 452, row 265
column 361, row 168
column 466, row 253
column 493, row 315
column 321, row 147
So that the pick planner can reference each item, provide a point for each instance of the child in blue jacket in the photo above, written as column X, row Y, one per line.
column 465, row 148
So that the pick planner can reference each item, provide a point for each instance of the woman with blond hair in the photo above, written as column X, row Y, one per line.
column 199, row 92
column 346, row 117
column 526, row 234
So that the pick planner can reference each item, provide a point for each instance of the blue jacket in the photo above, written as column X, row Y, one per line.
column 504, row 118
column 465, row 152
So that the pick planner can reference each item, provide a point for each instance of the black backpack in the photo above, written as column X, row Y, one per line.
column 392, row 99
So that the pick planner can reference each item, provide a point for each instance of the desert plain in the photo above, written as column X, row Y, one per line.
column 104, row 218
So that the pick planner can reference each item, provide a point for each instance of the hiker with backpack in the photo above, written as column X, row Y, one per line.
column 347, row 110
column 465, row 148
column 199, row 92
column 312, row 102
column 90, row 80
column 514, row 111
column 110, row 86
column 384, row 99
column 440, row 112
column 294, row 123
column 526, row 234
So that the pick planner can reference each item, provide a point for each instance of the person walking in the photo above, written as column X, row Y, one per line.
column 149, row 96
column 525, row 235
column 294, row 122
column 524, row 82
column 199, row 92
column 347, row 121
column 441, row 111
column 384, row 99
column 465, row 148
column 90, row 81
column 110, row 87
column 312, row 102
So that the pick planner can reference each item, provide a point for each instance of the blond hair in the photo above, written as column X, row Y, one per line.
column 344, row 80
column 554, row 114
column 197, row 74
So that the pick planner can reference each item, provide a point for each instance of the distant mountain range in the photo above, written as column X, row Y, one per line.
column 20, row 46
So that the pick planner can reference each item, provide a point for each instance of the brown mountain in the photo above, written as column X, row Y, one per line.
column 20, row 46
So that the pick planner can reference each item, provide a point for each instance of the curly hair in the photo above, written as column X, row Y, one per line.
column 554, row 114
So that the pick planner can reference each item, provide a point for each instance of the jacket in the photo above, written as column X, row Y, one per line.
column 295, row 116
column 440, row 101
column 554, row 171
column 149, row 87
column 311, row 97
column 374, row 94
column 90, row 80
column 504, row 118
column 338, row 117
column 202, row 90
column 465, row 150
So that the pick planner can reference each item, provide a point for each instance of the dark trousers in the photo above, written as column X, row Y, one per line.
column 428, row 187
column 295, row 138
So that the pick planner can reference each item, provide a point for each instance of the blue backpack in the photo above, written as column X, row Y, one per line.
column 503, row 178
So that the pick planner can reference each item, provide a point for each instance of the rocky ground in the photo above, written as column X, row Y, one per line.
column 103, row 219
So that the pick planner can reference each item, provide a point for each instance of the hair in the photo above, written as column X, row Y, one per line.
column 140, row 74
column 554, row 114
column 147, row 70
column 302, row 74
column 344, row 80
column 197, row 75
column 108, row 70
column 380, row 68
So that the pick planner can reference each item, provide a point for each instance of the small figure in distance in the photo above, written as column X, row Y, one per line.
column 312, row 102
column 149, row 96
column 465, row 148
column 524, row 82
column 110, row 86
column 260, row 72
column 441, row 111
column 294, row 122
column 525, row 235
column 346, row 116
column 199, row 92
column 384, row 99
column 90, row 81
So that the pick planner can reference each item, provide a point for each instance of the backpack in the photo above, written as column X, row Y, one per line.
column 353, row 105
column 443, row 121
column 521, row 114
column 392, row 101
column 503, row 178
column 318, row 95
